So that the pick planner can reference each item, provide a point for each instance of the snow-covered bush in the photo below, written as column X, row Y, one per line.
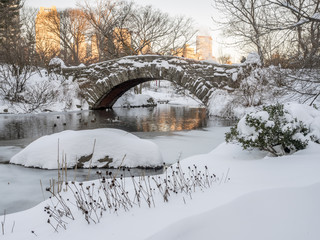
column 275, row 129
column 13, row 81
column 253, row 82
column 38, row 95
column 258, row 87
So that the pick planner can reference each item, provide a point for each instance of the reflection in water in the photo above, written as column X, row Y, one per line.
column 172, row 119
column 164, row 118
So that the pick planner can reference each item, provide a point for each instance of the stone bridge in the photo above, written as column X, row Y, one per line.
column 103, row 83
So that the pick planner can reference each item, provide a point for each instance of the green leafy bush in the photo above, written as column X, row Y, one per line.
column 273, row 130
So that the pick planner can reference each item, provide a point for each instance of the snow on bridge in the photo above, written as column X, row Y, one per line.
column 103, row 83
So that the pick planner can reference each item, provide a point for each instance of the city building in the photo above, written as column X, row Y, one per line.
column 80, row 41
column 48, row 32
column 145, row 47
column 204, row 48
column 90, row 48
column 93, row 49
column 122, row 40
column 186, row 51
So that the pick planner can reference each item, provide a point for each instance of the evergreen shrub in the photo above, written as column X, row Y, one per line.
column 273, row 130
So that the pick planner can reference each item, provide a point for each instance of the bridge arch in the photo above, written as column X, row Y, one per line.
column 103, row 83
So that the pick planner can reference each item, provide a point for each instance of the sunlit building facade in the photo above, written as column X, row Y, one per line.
column 79, row 25
column 204, row 48
column 145, row 47
column 186, row 51
column 47, row 32
column 122, row 40
column 93, row 49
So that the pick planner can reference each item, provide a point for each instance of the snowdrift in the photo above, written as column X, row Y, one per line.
column 89, row 148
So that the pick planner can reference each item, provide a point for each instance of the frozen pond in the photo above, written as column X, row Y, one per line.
column 178, row 131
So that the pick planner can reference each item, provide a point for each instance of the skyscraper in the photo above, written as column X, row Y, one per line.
column 122, row 40
column 204, row 48
column 47, row 32
column 186, row 51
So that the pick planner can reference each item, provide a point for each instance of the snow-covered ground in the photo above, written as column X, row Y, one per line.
column 256, row 197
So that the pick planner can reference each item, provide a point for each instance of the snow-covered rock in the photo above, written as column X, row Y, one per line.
column 90, row 148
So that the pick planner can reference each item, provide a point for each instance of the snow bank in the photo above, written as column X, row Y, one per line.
column 95, row 148
column 158, row 92
column 263, row 198
column 263, row 215
column 135, row 100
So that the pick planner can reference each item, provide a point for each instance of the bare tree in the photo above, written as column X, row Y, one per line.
column 285, row 33
column 275, row 28
column 306, row 10
column 39, row 56
column 108, row 31
column 39, row 95
column 126, row 29
column 224, row 58
column 157, row 32
column 301, row 19
column 244, row 21
column 74, row 26
column 16, row 67
column 69, row 27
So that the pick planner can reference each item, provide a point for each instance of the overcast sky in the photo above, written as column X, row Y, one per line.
column 200, row 10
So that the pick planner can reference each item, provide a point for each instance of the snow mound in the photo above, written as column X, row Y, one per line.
column 95, row 148
column 271, row 209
